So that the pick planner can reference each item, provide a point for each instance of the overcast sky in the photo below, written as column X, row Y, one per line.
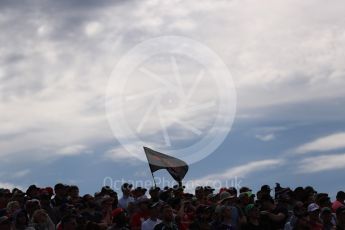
column 287, row 62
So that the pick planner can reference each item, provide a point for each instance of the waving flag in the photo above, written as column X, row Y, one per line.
column 176, row 167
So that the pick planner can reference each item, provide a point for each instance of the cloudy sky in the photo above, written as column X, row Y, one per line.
column 60, row 58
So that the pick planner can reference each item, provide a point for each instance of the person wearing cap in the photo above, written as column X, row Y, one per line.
column 326, row 217
column 314, row 218
column 153, row 220
column 340, row 212
column 126, row 196
column 168, row 222
column 339, row 201
column 273, row 216
column 227, row 199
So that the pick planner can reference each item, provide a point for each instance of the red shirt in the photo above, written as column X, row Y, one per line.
column 336, row 204
column 138, row 218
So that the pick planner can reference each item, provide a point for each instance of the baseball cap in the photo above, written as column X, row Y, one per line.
column 313, row 207
column 225, row 196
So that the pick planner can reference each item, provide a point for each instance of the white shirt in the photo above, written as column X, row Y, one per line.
column 149, row 224
column 124, row 201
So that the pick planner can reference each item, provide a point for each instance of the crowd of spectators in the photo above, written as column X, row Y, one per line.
column 63, row 208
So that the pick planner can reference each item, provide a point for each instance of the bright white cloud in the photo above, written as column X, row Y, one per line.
column 322, row 163
column 326, row 143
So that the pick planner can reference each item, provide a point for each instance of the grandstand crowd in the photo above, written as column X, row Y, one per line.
column 62, row 207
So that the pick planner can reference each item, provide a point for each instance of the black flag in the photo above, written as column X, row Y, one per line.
column 176, row 167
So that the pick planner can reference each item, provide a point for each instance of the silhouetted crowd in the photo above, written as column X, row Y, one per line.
column 63, row 208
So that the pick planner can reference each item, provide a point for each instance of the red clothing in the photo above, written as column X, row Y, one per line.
column 336, row 204
column 138, row 218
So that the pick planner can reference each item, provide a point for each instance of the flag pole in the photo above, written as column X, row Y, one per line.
column 153, row 177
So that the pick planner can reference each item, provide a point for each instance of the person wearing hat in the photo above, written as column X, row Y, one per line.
column 126, row 196
column 153, row 220
column 314, row 218
column 227, row 199
column 340, row 212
